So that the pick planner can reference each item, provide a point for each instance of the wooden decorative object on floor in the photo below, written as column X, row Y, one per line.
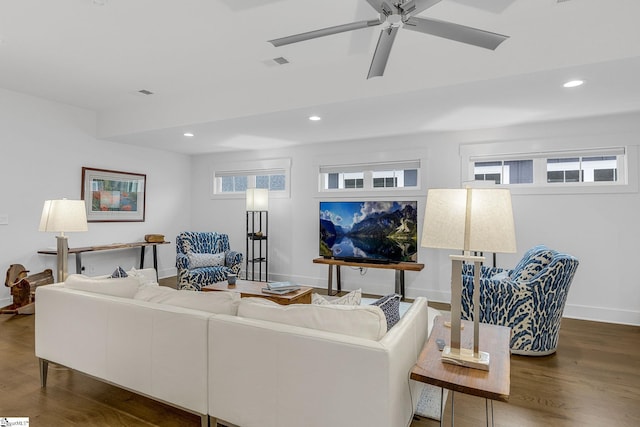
column 23, row 288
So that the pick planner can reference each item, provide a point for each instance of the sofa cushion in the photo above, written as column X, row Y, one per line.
column 205, row 260
column 212, row 302
column 390, row 306
column 124, row 287
column 352, row 298
column 358, row 321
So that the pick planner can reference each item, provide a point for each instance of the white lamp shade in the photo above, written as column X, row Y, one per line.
column 63, row 216
column 257, row 199
column 470, row 220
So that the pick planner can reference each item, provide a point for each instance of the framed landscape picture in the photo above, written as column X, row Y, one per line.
column 112, row 196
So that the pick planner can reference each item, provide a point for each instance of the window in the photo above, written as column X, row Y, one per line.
column 270, row 174
column 505, row 171
column 370, row 176
column 577, row 168
column 583, row 169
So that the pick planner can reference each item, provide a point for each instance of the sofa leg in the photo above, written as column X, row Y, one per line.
column 44, row 369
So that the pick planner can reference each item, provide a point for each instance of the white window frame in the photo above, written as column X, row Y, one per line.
column 368, row 169
column 251, row 169
column 627, row 165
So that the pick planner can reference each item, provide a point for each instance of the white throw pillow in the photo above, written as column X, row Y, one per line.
column 219, row 302
column 358, row 321
column 205, row 260
column 352, row 298
column 146, row 275
column 124, row 287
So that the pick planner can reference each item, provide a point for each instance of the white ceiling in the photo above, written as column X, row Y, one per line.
column 210, row 68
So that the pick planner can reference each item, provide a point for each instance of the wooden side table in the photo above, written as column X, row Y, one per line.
column 492, row 385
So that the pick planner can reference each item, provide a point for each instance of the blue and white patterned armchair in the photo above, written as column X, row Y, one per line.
column 203, row 258
column 529, row 299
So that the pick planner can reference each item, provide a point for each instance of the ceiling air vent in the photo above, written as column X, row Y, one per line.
column 145, row 92
column 281, row 60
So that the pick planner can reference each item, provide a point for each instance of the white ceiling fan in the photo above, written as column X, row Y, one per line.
column 394, row 15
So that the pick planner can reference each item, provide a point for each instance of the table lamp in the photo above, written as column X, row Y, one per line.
column 63, row 216
column 471, row 220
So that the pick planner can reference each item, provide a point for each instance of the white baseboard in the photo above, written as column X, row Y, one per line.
column 6, row 301
column 602, row 314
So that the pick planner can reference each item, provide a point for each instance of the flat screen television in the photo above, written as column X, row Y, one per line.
column 377, row 231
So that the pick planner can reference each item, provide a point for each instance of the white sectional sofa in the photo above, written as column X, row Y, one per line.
column 227, row 362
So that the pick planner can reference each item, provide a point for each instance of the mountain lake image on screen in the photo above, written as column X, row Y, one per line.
column 376, row 231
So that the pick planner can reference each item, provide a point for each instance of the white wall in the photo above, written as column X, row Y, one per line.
column 43, row 147
column 599, row 229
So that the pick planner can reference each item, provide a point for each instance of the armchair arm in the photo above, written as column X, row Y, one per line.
column 233, row 260
column 182, row 262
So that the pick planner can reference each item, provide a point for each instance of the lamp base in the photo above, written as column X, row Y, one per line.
column 465, row 357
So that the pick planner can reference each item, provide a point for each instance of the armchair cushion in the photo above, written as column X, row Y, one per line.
column 536, row 262
column 206, row 260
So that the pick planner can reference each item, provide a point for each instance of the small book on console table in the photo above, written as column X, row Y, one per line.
column 279, row 291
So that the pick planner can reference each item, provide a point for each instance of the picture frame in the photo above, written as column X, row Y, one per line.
column 113, row 196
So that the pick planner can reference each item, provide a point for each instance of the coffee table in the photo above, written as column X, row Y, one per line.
column 492, row 385
column 249, row 288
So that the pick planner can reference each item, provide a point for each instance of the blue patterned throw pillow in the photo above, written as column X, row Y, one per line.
column 119, row 272
column 390, row 306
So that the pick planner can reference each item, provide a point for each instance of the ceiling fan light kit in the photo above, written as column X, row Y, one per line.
column 397, row 15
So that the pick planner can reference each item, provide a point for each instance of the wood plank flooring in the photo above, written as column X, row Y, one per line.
column 593, row 380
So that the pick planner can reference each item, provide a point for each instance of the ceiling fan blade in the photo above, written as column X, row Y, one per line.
column 324, row 32
column 457, row 32
column 414, row 7
column 383, row 49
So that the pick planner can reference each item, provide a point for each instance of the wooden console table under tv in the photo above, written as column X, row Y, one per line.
column 79, row 251
column 399, row 268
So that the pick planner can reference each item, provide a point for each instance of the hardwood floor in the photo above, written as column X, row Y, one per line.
column 593, row 380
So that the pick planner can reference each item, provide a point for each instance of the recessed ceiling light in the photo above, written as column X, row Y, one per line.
column 188, row 134
column 573, row 83
column 315, row 118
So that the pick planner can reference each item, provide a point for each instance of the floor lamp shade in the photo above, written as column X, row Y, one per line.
column 60, row 216
column 257, row 199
